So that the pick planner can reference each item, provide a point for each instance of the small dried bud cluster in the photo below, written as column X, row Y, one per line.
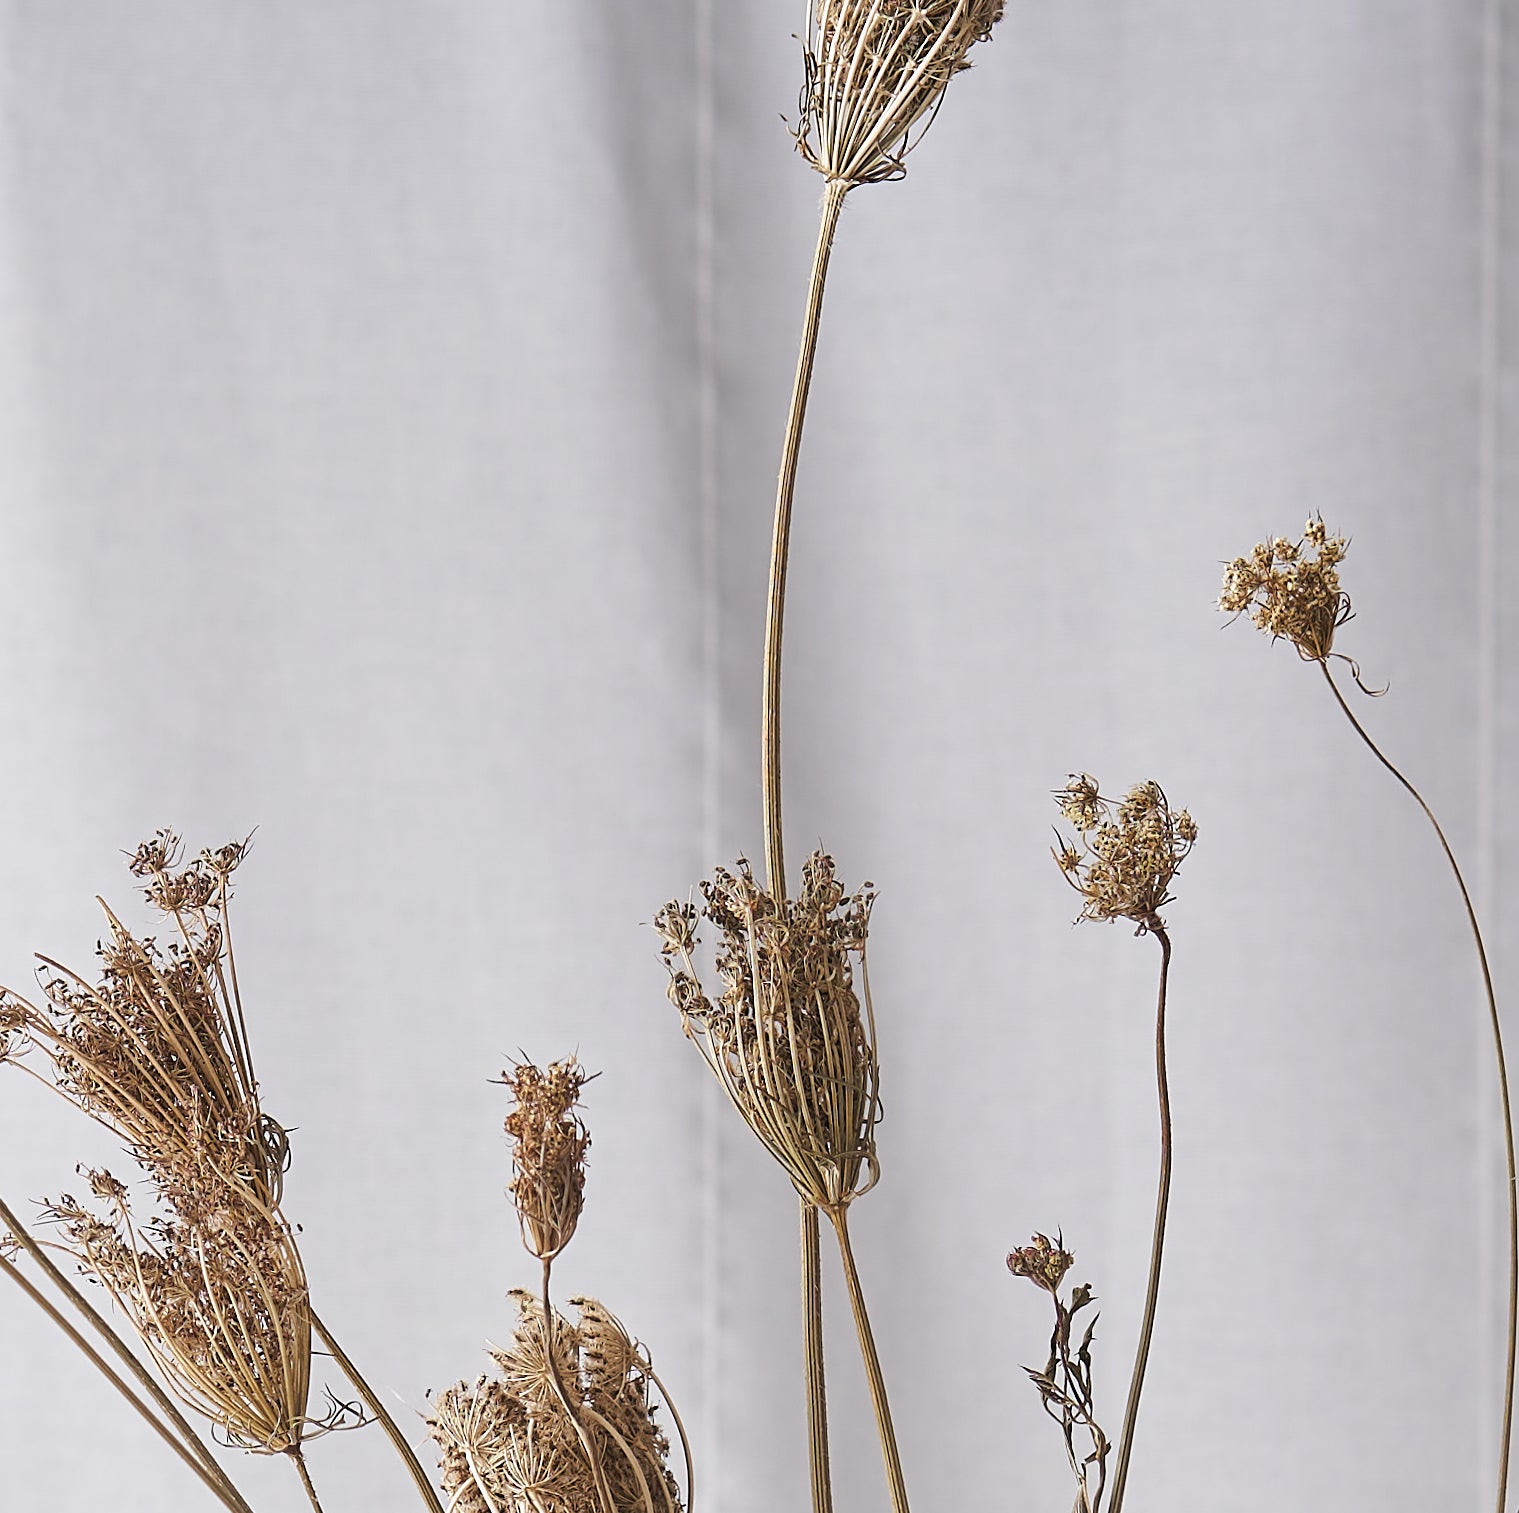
column 548, row 1153
column 877, row 69
column 1129, row 851
column 1291, row 589
column 786, row 1037
column 1043, row 1261
column 157, row 1052
column 510, row 1446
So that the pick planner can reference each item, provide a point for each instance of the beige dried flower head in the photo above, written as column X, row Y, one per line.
column 1043, row 1261
column 157, row 1052
column 876, row 74
column 787, row 1037
column 1129, row 851
column 508, row 1446
column 1291, row 589
column 548, row 1152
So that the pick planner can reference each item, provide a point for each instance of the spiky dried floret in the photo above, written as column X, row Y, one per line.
column 876, row 71
column 548, row 1152
column 509, row 1446
column 787, row 1037
column 1129, row 850
column 1291, row 589
column 157, row 1051
column 1043, row 1261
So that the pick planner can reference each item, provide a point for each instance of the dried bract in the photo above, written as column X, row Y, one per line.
column 157, row 1052
column 548, row 1153
column 876, row 74
column 1129, row 851
column 1291, row 589
column 1043, row 1261
column 787, row 1038
column 509, row 1446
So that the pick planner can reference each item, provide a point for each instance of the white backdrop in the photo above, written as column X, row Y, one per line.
column 390, row 397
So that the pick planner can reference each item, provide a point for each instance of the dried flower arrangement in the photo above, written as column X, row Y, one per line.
column 211, row 1284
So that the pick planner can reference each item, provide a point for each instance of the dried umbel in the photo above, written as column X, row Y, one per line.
column 786, row 1037
column 1291, row 589
column 876, row 74
column 157, row 1052
column 1129, row 852
column 510, row 1446
column 1064, row 1383
column 548, row 1153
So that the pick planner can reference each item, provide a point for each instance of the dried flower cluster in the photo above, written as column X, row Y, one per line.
column 548, row 1153
column 786, row 1037
column 877, row 69
column 157, row 1052
column 1129, row 851
column 509, row 1446
column 1291, row 589
column 1065, row 1382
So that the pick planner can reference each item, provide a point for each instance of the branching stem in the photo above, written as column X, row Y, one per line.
column 1503, row 1093
column 1158, row 1238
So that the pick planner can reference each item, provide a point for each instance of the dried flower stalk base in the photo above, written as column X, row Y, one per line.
column 1291, row 591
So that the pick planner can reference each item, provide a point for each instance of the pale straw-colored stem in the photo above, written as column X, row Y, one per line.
column 1506, row 1437
column 873, row 1377
column 1158, row 1238
column 305, row 1476
column 780, row 545
column 378, row 1409
column 775, row 856
column 196, row 1446
column 593, row 1458
column 812, row 1344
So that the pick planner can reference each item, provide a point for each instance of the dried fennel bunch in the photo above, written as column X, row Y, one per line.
column 510, row 1446
column 786, row 1038
column 157, row 1052
column 876, row 74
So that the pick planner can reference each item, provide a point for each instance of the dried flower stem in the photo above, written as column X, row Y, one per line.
column 873, row 1376
column 213, row 1484
column 1503, row 1093
column 204, row 1462
column 775, row 856
column 1158, row 1239
column 378, row 1409
column 592, row 1454
column 305, row 1476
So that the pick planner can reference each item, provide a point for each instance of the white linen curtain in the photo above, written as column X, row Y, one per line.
column 390, row 397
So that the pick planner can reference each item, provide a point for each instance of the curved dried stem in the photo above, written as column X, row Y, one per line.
column 1158, row 1238
column 1506, row 1437
column 873, row 1377
column 378, row 1409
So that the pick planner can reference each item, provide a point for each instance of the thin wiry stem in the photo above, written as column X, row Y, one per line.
column 1503, row 1093
column 165, row 1404
column 873, row 1377
column 1158, row 1239
column 775, row 864
column 213, row 1484
column 376, row 1407
column 593, row 1459
column 305, row 1476
column 812, row 1343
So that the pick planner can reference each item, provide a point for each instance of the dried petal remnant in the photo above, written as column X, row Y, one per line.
column 876, row 73
column 1129, row 850
column 787, row 1037
column 548, row 1154
column 1291, row 589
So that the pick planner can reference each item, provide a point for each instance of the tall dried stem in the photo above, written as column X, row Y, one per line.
column 305, row 1476
column 1506, row 1435
column 1158, row 1238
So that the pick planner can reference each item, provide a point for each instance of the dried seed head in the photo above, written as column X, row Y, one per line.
column 787, row 1037
column 876, row 71
column 1291, row 589
column 548, row 1153
column 508, row 1442
column 1129, row 851
column 157, row 1052
column 1043, row 1261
